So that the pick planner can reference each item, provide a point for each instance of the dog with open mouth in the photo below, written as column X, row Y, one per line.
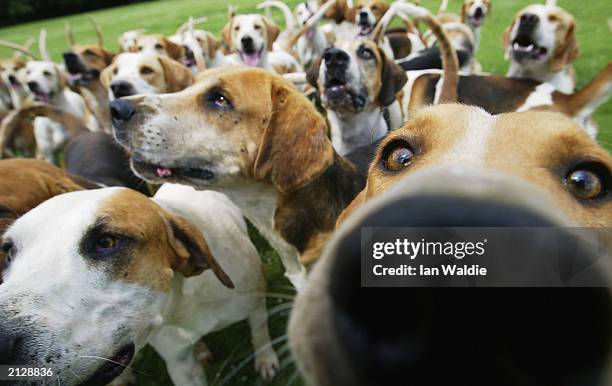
column 251, row 37
column 541, row 44
column 455, row 165
column 162, row 271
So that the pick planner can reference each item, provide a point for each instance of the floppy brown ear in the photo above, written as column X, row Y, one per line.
column 226, row 35
column 464, row 11
column 174, row 50
column 312, row 75
column 213, row 45
column 351, row 13
column 272, row 31
column 62, row 79
column 108, row 56
column 176, row 75
column 193, row 256
column 106, row 75
column 294, row 148
column 567, row 52
column 393, row 78
column 506, row 40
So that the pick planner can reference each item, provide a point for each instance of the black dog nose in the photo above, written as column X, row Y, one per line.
column 334, row 57
column 530, row 19
column 122, row 89
column 68, row 55
column 12, row 79
column 247, row 42
column 121, row 110
column 33, row 86
column 8, row 348
column 478, row 12
column 363, row 15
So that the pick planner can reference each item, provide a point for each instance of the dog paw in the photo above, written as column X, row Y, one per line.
column 266, row 364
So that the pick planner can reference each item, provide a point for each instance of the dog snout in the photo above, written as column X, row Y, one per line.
column 363, row 17
column 529, row 20
column 247, row 44
column 69, row 56
column 335, row 58
column 12, row 79
column 33, row 86
column 478, row 12
column 122, row 89
column 121, row 111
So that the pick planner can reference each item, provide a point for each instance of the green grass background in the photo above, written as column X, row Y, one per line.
column 231, row 346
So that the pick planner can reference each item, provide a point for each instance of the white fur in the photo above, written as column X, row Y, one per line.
column 128, row 70
column 541, row 96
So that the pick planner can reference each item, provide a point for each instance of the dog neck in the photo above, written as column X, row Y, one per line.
column 561, row 79
column 350, row 131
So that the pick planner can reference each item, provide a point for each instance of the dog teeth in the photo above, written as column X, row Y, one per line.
column 530, row 47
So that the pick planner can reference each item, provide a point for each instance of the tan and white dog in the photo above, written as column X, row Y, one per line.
column 144, row 73
column 473, row 14
column 455, row 165
column 158, row 44
column 128, row 270
column 541, row 44
column 49, row 84
column 253, row 136
column 251, row 39
column 128, row 40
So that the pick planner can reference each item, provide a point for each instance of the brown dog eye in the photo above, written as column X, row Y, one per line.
column 47, row 73
column 397, row 156
column 89, row 53
column 217, row 101
column 589, row 181
column 106, row 243
column 158, row 46
column 8, row 250
column 146, row 70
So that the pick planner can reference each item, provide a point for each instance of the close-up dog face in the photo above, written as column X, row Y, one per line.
column 219, row 132
column 304, row 10
column 199, row 45
column 250, row 36
column 474, row 12
column 11, row 71
column 453, row 165
column 119, row 252
column 542, row 34
column 158, row 44
column 366, row 15
column 86, row 62
column 44, row 79
column 144, row 73
column 354, row 75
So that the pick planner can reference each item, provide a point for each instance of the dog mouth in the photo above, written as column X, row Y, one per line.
column 164, row 173
column 525, row 48
column 189, row 59
column 339, row 94
column 251, row 57
column 42, row 97
column 476, row 20
column 365, row 28
column 112, row 368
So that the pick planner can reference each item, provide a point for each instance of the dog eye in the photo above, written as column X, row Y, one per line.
column 47, row 73
column 139, row 48
column 8, row 250
column 588, row 181
column 106, row 243
column 237, row 28
column 375, row 8
column 158, row 46
column 146, row 70
column 365, row 53
column 115, row 71
column 257, row 27
column 397, row 156
column 89, row 53
column 218, row 101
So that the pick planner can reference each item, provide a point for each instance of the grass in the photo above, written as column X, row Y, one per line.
column 231, row 346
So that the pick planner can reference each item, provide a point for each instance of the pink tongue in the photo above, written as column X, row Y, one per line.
column 164, row 172
column 251, row 59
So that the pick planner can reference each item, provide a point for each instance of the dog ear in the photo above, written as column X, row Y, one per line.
column 312, row 75
column 294, row 148
column 393, row 79
column 226, row 35
column 174, row 50
column 351, row 13
column 193, row 256
column 176, row 75
column 272, row 32
column 62, row 78
column 567, row 52
column 108, row 56
column 213, row 45
column 464, row 12
column 506, row 40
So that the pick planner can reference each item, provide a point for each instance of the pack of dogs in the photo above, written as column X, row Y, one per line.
column 128, row 177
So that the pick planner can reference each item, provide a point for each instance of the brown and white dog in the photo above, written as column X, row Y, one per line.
column 473, row 14
column 12, row 88
column 253, row 136
column 454, row 165
column 251, row 38
column 158, row 44
column 541, row 44
column 144, row 73
column 163, row 271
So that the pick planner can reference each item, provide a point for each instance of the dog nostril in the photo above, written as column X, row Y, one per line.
column 33, row 86
column 530, row 18
column 121, row 110
column 12, row 79
column 246, row 40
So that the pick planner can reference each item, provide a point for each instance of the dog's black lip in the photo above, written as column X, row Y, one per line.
column 148, row 171
column 113, row 368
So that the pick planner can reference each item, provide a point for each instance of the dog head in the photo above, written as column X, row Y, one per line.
column 11, row 71
column 250, row 36
column 113, row 269
column 85, row 62
column 453, row 165
column 542, row 35
column 232, row 125
column 160, row 45
column 128, row 40
column 355, row 75
column 44, row 79
column 199, row 43
column 144, row 73
column 474, row 12
column 366, row 14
